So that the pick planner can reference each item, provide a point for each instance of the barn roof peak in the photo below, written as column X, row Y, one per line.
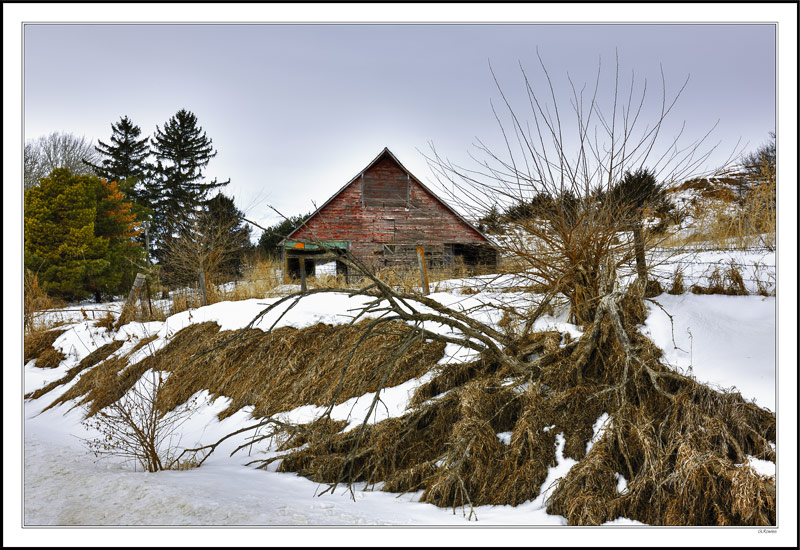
column 385, row 152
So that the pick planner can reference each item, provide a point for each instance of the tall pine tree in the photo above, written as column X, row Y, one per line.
column 124, row 160
column 125, row 157
column 177, row 189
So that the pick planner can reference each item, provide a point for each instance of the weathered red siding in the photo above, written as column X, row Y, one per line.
column 408, row 216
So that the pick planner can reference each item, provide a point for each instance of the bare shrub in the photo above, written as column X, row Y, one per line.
column 135, row 428
column 199, row 251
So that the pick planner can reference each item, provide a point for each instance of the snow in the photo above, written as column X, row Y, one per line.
column 622, row 483
column 600, row 426
column 726, row 341
column 723, row 340
column 762, row 467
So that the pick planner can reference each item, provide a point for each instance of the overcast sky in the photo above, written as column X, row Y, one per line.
column 297, row 110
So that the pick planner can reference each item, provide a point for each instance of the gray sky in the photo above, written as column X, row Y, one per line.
column 295, row 111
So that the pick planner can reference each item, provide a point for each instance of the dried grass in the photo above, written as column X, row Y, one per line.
column 271, row 372
column 50, row 359
column 98, row 355
column 721, row 218
column 677, row 283
column 35, row 301
column 728, row 281
column 38, row 343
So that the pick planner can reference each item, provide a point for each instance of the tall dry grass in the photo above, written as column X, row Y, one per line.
column 721, row 219
column 35, row 302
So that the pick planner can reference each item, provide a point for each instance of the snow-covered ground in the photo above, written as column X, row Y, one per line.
column 728, row 341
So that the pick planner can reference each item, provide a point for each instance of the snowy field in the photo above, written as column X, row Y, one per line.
column 726, row 341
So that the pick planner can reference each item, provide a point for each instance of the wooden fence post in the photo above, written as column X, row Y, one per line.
column 423, row 270
column 129, row 307
column 302, row 275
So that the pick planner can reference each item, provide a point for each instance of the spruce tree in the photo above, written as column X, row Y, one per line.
column 177, row 189
column 125, row 158
column 116, row 222
column 273, row 235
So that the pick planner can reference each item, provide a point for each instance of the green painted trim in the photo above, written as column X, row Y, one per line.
column 290, row 245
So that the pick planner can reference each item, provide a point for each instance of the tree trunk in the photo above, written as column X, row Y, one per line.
column 638, row 247
column 202, row 276
column 303, row 286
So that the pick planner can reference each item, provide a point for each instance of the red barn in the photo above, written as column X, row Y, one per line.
column 381, row 216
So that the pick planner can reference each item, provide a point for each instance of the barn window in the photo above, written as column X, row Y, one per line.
column 381, row 190
column 389, row 249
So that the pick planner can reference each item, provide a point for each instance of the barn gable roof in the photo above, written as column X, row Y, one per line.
column 387, row 153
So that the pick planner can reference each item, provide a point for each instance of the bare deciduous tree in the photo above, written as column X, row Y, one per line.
column 199, row 250
column 57, row 150
column 669, row 435
column 559, row 161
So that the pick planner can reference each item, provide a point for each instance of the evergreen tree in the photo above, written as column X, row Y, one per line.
column 182, row 150
column 78, row 232
column 222, row 215
column 269, row 240
column 636, row 192
column 116, row 222
column 124, row 159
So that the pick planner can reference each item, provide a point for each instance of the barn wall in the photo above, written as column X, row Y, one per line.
column 420, row 220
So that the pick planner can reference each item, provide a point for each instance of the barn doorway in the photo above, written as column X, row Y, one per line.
column 474, row 255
